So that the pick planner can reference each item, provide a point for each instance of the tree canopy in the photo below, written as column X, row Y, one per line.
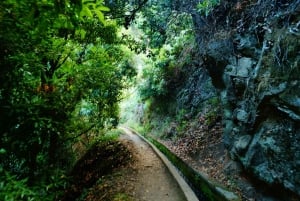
column 62, row 69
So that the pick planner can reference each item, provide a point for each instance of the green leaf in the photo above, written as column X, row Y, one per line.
column 102, row 8
column 86, row 12
column 100, row 16
column 88, row 2
column 81, row 33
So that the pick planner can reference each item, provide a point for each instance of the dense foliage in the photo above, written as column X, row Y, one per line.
column 164, row 70
column 61, row 73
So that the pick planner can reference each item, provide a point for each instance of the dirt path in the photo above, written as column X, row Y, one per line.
column 149, row 179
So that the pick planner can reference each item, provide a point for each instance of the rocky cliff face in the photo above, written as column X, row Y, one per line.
column 256, row 47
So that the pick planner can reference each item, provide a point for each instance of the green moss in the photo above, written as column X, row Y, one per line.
column 122, row 197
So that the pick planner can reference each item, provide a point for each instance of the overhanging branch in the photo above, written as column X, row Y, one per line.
column 130, row 18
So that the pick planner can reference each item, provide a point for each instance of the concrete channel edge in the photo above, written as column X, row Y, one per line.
column 187, row 190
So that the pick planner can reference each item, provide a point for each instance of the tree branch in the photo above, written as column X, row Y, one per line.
column 82, row 133
column 130, row 18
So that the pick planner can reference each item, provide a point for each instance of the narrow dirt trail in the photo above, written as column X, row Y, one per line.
column 152, row 180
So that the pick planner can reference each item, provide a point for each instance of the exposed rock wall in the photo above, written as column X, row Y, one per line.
column 197, row 90
column 256, row 47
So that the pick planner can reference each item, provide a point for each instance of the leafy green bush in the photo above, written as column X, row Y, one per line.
column 13, row 188
column 214, row 112
column 165, row 69
column 154, row 86
column 206, row 6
